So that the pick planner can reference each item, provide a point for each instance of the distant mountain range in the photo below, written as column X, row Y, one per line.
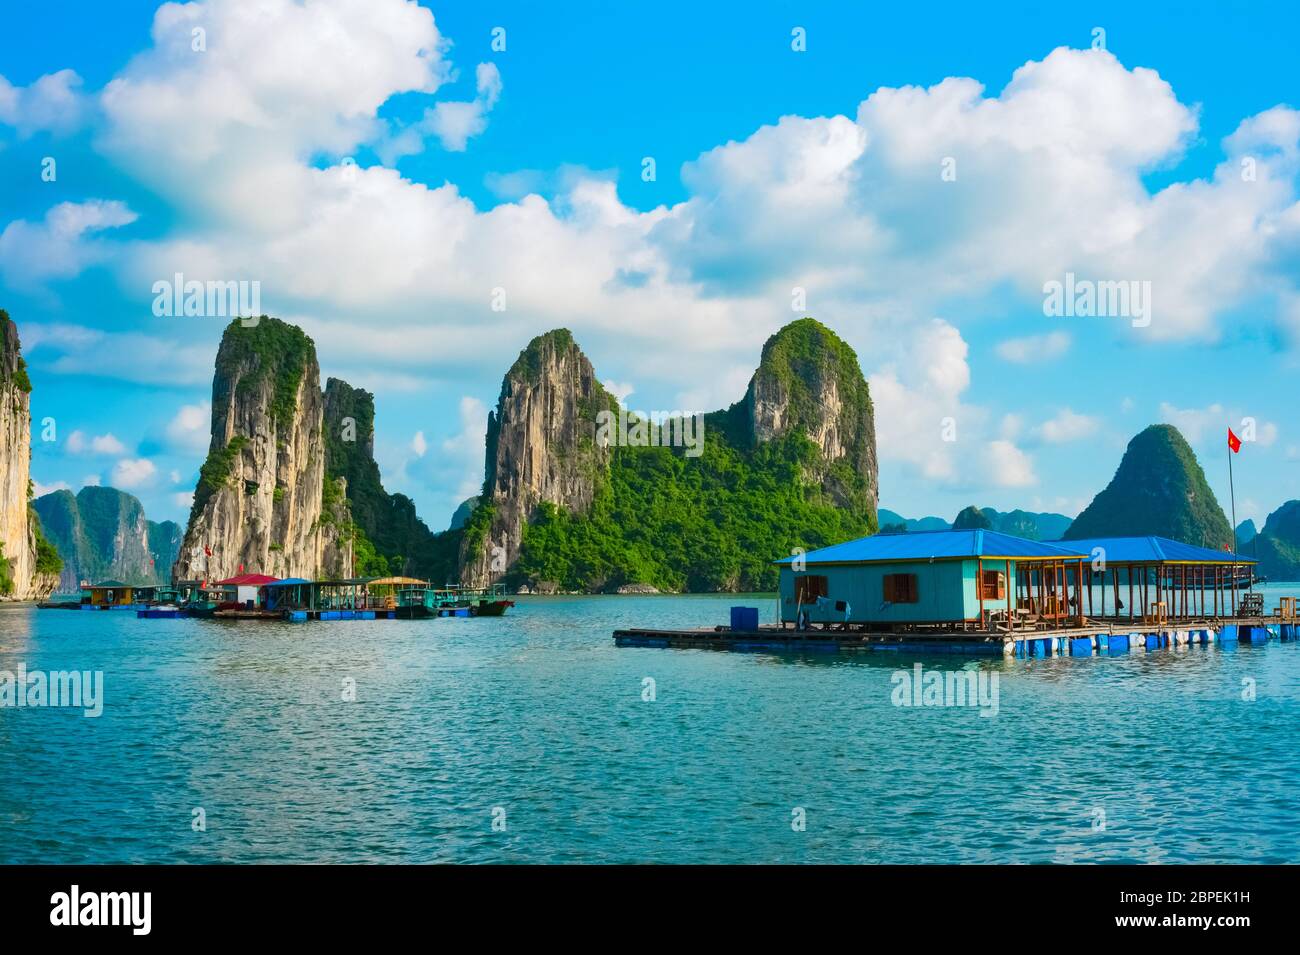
column 102, row 533
column 1028, row 524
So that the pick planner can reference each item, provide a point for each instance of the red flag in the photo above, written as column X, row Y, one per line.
column 1234, row 442
column 207, row 550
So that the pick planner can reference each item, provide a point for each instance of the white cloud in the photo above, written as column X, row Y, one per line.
column 465, row 449
column 454, row 123
column 40, row 490
column 1034, row 348
column 158, row 359
column 620, row 390
column 53, row 103
column 62, row 244
column 1199, row 425
column 183, row 499
column 270, row 90
column 924, row 425
column 190, row 429
column 91, row 480
column 839, row 206
column 419, row 445
column 131, row 473
column 1008, row 466
column 1067, row 425
column 106, row 444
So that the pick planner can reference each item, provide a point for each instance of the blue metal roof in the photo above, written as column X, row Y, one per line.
column 1136, row 550
column 939, row 545
column 288, row 582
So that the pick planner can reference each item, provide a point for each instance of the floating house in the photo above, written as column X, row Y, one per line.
column 965, row 579
column 111, row 595
column 1155, row 579
column 292, row 593
column 242, row 590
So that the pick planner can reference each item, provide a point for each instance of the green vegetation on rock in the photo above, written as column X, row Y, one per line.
column 98, row 533
column 6, row 573
column 1278, row 544
column 216, row 472
column 48, row 560
column 387, row 523
column 270, row 349
column 715, row 522
column 712, row 523
column 13, row 368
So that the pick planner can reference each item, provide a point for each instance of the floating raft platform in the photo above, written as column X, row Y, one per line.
column 160, row 613
column 1108, row 638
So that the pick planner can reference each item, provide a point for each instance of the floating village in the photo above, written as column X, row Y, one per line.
column 978, row 592
column 258, row 597
column 969, row 592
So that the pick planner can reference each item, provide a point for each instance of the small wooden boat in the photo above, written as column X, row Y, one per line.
column 423, row 603
column 490, row 608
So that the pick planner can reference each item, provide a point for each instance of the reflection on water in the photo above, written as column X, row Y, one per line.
column 395, row 741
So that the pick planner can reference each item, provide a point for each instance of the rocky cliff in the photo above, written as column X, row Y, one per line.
column 386, row 523
column 165, row 540
column 1159, row 488
column 28, row 564
column 101, row 533
column 261, row 493
column 792, row 464
column 541, row 448
column 809, row 381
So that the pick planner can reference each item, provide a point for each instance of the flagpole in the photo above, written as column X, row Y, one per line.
column 1232, row 495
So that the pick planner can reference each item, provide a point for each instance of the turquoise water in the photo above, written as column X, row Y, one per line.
column 539, row 716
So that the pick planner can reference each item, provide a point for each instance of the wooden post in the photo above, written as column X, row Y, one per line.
column 1078, row 592
column 1130, row 590
column 1011, row 614
column 979, row 587
column 1089, row 589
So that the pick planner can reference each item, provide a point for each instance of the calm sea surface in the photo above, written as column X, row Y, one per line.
column 537, row 719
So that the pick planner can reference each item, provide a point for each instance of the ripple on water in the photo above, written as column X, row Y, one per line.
column 537, row 720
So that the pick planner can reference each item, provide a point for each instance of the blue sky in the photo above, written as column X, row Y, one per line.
column 521, row 169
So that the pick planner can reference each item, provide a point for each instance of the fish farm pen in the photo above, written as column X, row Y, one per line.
column 987, row 593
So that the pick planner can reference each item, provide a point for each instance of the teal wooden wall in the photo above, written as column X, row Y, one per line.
column 945, row 591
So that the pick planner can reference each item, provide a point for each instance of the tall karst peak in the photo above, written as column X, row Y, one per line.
column 1158, row 489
